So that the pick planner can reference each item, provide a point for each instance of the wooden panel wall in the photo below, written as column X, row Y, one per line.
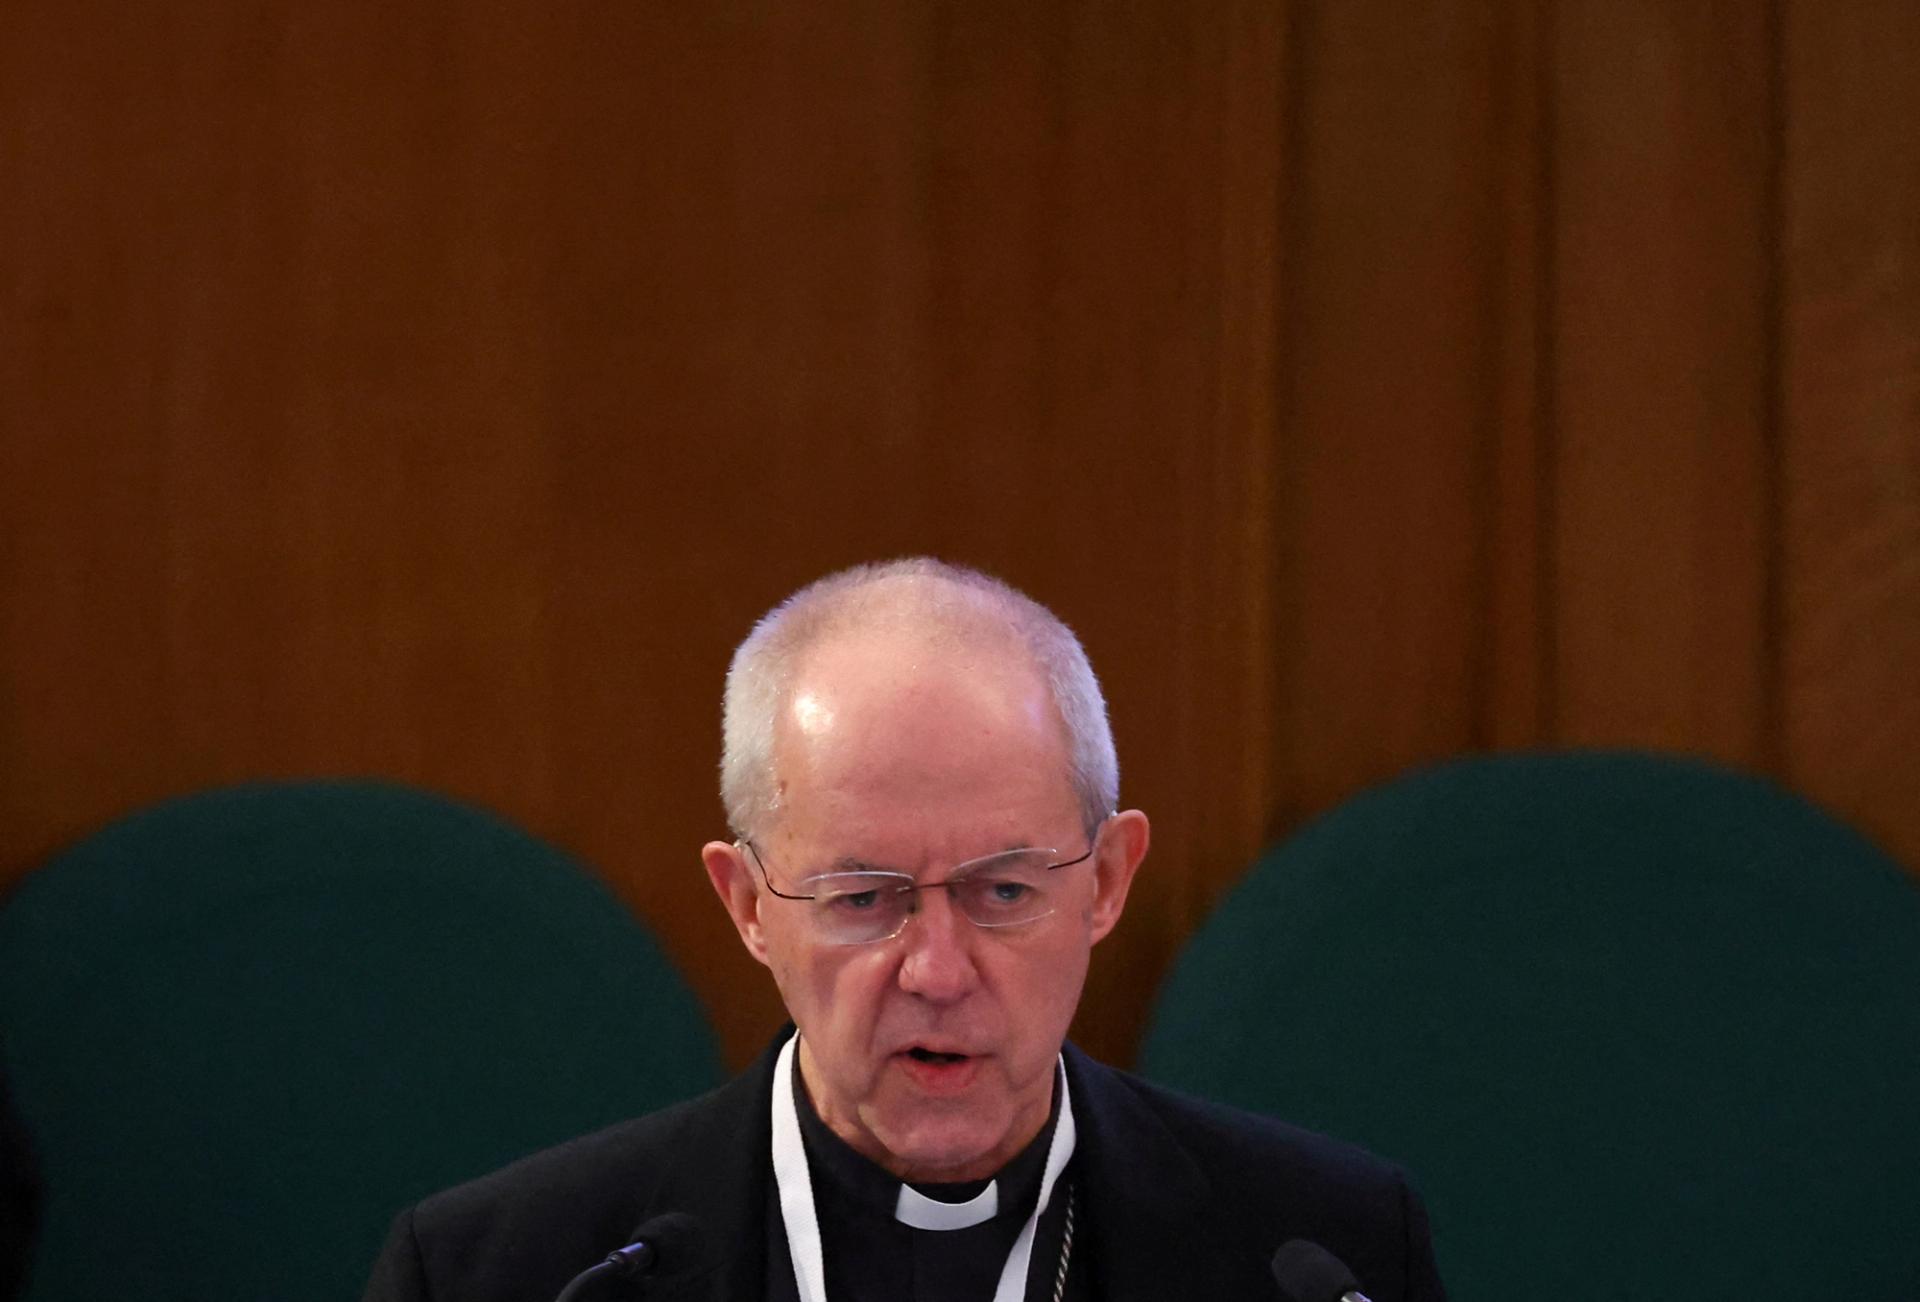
column 439, row 391
column 1848, row 554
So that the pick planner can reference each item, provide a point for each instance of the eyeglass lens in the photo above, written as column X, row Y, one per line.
column 1000, row 890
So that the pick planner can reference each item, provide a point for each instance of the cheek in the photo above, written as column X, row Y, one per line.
column 795, row 966
column 839, row 984
column 1041, row 989
column 1069, row 975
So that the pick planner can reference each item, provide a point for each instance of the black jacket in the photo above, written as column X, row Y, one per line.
column 1184, row 1199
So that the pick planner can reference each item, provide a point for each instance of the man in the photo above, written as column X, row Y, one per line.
column 923, row 792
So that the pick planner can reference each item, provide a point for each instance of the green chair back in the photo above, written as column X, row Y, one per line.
column 1641, row 1028
column 244, row 1028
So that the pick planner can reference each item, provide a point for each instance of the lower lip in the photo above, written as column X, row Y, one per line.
column 938, row 1077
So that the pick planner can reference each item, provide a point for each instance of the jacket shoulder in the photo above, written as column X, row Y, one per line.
column 582, row 1168
column 1257, row 1181
column 1226, row 1138
column 527, row 1228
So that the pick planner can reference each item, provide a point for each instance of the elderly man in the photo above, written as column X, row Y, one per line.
column 923, row 793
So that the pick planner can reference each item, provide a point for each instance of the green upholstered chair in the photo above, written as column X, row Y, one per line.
column 245, row 1027
column 1641, row 1028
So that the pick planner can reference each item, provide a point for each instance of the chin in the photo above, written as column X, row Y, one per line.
column 947, row 1153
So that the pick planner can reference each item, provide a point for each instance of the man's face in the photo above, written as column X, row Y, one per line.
column 892, row 755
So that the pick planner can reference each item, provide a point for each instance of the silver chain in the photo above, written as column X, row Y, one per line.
column 1066, row 1252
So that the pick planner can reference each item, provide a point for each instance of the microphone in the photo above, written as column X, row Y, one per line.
column 1307, row 1272
column 661, row 1245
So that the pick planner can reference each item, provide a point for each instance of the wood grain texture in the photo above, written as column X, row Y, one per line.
column 1663, row 476
column 1515, row 649
column 1224, row 624
column 1391, row 355
column 1851, row 389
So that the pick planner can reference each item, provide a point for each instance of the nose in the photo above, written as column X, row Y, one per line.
column 938, row 963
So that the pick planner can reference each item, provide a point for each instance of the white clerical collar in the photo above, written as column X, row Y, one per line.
column 795, row 1185
column 924, row 1213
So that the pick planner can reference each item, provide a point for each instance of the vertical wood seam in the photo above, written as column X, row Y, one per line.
column 1546, row 379
column 1259, row 531
column 1772, row 705
column 1284, row 576
column 1484, row 667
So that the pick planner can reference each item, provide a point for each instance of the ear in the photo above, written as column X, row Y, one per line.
column 1123, row 844
column 738, row 887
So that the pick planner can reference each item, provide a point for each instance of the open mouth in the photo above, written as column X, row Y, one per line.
column 937, row 1073
column 919, row 1054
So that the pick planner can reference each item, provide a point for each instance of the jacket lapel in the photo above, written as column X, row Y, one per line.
column 1155, row 1219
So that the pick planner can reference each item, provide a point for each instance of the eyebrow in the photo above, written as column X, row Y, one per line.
column 854, row 864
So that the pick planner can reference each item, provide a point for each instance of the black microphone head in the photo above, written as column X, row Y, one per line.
column 659, row 1245
column 1307, row 1272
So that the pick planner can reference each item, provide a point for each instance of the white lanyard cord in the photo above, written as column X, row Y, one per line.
column 797, row 1211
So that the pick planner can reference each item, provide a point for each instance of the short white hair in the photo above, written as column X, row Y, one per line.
column 925, row 595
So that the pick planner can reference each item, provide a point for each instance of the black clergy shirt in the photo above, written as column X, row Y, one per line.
column 872, row 1257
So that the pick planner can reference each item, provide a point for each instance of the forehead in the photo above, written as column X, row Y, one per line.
column 892, row 735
